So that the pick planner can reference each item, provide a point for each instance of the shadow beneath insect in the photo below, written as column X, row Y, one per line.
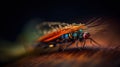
column 88, row 50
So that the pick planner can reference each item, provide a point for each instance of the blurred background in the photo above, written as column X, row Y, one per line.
column 19, row 19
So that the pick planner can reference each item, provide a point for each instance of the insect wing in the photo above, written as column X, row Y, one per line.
column 53, row 35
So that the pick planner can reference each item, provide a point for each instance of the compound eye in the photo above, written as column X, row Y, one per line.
column 86, row 35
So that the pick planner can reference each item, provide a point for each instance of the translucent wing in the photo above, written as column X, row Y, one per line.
column 96, row 25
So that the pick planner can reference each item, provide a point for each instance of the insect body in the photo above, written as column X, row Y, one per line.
column 70, row 35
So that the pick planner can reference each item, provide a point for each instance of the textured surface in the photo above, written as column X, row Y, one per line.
column 87, row 57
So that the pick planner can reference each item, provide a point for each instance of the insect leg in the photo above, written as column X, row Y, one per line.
column 69, row 45
column 84, row 42
column 91, row 42
column 60, row 46
column 77, row 43
column 95, row 42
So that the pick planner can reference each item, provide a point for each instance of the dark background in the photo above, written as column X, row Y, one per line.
column 15, row 14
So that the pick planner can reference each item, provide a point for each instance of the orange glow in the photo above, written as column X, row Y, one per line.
column 51, row 45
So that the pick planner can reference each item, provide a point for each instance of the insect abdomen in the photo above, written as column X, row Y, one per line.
column 66, row 36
